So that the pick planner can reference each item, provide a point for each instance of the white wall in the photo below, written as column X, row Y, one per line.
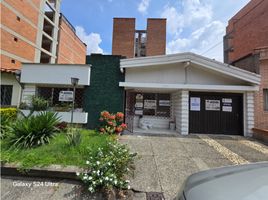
column 55, row 74
column 157, row 122
column 248, row 113
column 175, row 74
column 9, row 79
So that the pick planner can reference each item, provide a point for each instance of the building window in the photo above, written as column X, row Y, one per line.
column 15, row 39
column 18, row 18
column 6, row 94
column 152, row 104
column 13, row 61
column 265, row 99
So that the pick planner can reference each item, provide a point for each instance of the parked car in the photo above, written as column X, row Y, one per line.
column 241, row 182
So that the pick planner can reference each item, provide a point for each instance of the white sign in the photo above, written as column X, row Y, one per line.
column 225, row 100
column 164, row 103
column 139, row 97
column 66, row 96
column 138, row 105
column 149, row 104
column 195, row 104
column 138, row 112
column 227, row 108
column 213, row 105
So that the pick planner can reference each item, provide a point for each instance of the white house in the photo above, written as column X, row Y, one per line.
column 200, row 95
column 48, row 80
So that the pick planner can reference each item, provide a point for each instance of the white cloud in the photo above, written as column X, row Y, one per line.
column 143, row 6
column 92, row 40
column 191, row 27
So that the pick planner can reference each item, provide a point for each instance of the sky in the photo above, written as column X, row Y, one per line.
column 192, row 25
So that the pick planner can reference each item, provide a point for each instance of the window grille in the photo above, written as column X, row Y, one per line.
column 6, row 94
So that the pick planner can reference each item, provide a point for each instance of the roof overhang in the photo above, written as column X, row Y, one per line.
column 201, row 61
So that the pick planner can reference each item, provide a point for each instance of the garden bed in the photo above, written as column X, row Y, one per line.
column 57, row 152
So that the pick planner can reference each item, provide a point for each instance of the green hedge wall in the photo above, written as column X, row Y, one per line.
column 104, row 92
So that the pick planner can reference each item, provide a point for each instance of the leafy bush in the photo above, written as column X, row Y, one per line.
column 111, row 123
column 10, row 113
column 8, row 116
column 39, row 103
column 73, row 137
column 62, row 126
column 108, row 167
column 34, row 130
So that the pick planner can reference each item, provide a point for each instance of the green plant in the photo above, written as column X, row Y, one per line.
column 5, row 126
column 108, row 167
column 73, row 137
column 34, row 130
column 112, row 123
column 39, row 103
column 10, row 113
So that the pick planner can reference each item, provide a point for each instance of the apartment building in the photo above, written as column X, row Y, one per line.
column 34, row 31
column 130, row 42
column 246, row 47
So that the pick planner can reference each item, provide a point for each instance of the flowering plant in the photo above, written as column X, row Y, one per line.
column 108, row 167
column 112, row 123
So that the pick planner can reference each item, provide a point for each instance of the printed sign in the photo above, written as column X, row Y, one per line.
column 138, row 105
column 225, row 100
column 213, row 105
column 66, row 96
column 149, row 104
column 139, row 97
column 164, row 102
column 138, row 112
column 195, row 104
column 227, row 108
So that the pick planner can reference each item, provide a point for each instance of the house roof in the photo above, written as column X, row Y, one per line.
column 201, row 61
column 9, row 70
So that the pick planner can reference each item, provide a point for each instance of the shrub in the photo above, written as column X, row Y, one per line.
column 112, row 123
column 73, row 137
column 10, row 113
column 34, row 130
column 62, row 126
column 39, row 103
column 108, row 167
column 8, row 116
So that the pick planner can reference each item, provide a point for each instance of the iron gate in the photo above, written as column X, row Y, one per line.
column 129, row 110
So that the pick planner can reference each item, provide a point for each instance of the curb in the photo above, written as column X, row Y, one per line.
column 52, row 171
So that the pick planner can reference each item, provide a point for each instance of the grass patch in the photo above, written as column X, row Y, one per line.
column 57, row 152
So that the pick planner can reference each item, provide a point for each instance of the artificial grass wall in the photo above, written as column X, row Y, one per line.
column 104, row 92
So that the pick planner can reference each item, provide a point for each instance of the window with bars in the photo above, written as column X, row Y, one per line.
column 153, row 104
column 265, row 99
column 52, row 95
column 6, row 94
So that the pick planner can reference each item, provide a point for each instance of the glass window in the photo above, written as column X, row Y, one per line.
column 265, row 99
column 6, row 94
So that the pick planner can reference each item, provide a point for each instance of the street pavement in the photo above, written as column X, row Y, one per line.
column 165, row 162
column 162, row 165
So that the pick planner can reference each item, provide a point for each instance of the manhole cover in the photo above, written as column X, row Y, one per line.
column 155, row 196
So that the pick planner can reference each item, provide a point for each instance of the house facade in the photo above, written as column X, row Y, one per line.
column 198, row 94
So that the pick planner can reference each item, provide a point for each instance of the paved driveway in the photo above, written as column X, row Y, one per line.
column 165, row 162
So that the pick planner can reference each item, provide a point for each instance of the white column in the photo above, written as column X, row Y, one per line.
column 249, row 113
column 184, row 107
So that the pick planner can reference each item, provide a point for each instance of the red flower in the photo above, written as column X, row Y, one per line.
column 119, row 115
column 105, row 114
column 118, row 129
column 112, row 117
column 123, row 125
column 101, row 119
column 102, row 130
column 110, row 123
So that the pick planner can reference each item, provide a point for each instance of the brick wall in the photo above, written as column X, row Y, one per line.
column 71, row 49
column 156, row 37
column 123, row 37
column 248, row 29
column 261, row 116
column 104, row 92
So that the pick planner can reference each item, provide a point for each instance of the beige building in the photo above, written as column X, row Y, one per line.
column 34, row 31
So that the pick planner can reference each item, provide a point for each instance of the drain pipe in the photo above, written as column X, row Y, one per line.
column 186, row 65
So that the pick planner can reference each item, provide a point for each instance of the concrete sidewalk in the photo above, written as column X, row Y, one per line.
column 165, row 162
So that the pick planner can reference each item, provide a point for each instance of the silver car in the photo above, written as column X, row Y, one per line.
column 241, row 182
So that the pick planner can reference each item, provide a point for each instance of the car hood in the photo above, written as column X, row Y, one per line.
column 244, row 182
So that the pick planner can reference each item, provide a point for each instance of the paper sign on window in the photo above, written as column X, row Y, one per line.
column 164, row 103
column 149, row 104
column 195, row 104
column 227, row 108
column 213, row 105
